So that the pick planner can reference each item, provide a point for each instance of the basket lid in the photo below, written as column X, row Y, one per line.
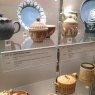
column 38, row 26
column 87, row 65
column 66, row 79
column 70, row 20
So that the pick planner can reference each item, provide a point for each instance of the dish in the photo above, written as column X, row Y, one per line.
column 13, row 92
column 28, row 11
column 87, row 11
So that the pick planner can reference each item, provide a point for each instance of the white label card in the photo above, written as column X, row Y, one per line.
column 28, row 58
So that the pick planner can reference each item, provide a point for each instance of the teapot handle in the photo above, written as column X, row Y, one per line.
column 16, row 30
column 56, row 83
column 75, row 75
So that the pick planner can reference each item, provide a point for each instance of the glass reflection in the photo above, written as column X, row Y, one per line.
column 28, row 43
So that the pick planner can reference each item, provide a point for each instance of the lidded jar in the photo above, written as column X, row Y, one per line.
column 87, row 71
column 38, row 31
column 66, row 84
column 70, row 27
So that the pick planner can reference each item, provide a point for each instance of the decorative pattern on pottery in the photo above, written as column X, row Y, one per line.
column 32, row 4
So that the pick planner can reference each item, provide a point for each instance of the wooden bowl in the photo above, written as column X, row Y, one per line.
column 51, row 30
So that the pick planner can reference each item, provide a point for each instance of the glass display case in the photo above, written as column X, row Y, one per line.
column 21, row 10
column 53, row 15
column 72, row 9
column 33, row 58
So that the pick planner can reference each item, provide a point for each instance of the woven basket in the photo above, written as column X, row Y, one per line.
column 87, row 71
column 66, row 88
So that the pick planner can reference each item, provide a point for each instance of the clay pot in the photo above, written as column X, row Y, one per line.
column 70, row 28
column 66, row 84
column 13, row 92
column 51, row 30
column 38, row 31
column 87, row 71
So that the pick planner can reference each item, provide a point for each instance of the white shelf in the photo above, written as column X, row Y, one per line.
column 47, row 86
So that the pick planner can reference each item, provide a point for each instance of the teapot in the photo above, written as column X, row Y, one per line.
column 7, row 28
column 65, row 84
column 38, row 30
column 69, row 25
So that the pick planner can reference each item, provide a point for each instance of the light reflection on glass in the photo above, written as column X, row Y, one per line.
column 67, row 10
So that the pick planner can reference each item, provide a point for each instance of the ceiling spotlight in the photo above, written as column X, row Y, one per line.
column 55, row 0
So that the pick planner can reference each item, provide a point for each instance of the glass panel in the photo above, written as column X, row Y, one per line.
column 85, row 32
column 47, row 10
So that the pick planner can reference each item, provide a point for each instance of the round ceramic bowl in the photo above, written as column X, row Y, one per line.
column 38, row 35
column 51, row 30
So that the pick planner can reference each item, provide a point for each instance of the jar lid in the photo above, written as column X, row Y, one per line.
column 38, row 26
column 87, row 65
column 66, row 79
column 4, row 19
column 70, row 20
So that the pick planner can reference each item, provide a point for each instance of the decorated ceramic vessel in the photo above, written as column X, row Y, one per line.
column 70, row 27
column 38, row 31
column 66, row 84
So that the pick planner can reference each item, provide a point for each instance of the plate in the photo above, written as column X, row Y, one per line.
column 28, row 11
column 87, row 11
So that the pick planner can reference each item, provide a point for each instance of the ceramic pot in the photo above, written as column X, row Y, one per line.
column 66, row 84
column 70, row 28
column 51, row 30
column 38, row 31
column 13, row 92
column 7, row 28
column 87, row 71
